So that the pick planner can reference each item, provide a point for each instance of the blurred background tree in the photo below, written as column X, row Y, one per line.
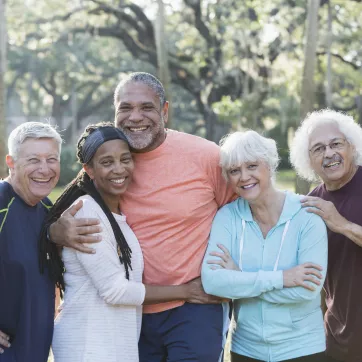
column 232, row 64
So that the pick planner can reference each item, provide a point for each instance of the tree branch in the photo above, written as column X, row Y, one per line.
column 355, row 66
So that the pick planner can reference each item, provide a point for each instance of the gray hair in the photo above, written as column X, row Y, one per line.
column 31, row 130
column 240, row 147
column 144, row 78
column 299, row 151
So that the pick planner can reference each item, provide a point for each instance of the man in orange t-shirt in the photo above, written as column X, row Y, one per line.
column 176, row 191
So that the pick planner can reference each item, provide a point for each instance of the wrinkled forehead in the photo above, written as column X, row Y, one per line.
column 39, row 147
column 137, row 93
column 325, row 133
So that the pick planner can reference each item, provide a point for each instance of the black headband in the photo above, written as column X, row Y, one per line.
column 97, row 138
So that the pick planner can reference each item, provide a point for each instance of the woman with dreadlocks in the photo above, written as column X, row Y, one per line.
column 101, row 314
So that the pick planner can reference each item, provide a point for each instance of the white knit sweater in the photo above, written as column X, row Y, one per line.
column 100, row 318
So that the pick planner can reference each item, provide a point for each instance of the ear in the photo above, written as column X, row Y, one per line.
column 164, row 112
column 10, row 162
column 89, row 170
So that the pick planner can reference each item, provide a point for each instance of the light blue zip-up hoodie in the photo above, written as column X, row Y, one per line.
column 272, row 323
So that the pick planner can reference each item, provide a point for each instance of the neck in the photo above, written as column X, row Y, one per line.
column 111, row 201
column 267, row 209
column 20, row 192
column 154, row 145
column 336, row 185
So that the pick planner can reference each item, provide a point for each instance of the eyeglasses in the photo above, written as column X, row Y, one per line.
column 335, row 145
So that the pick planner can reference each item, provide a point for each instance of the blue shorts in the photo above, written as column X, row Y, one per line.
column 191, row 332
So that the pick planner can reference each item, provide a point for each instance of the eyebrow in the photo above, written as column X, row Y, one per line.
column 332, row 140
column 37, row 155
column 129, row 104
column 126, row 153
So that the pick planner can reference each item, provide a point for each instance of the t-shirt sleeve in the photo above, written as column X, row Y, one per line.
column 104, row 267
column 223, row 191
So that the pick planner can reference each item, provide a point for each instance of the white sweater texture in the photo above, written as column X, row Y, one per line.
column 100, row 318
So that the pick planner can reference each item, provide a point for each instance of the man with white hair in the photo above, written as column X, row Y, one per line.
column 26, row 295
column 328, row 145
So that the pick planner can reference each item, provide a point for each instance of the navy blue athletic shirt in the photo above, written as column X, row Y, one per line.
column 26, row 296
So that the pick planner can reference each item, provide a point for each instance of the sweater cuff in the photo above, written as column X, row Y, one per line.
column 274, row 279
column 138, row 293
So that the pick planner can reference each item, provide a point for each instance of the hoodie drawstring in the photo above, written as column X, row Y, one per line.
column 280, row 248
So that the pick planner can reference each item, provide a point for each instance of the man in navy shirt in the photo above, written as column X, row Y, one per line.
column 27, row 296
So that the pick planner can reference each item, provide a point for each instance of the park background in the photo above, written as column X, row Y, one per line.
column 226, row 65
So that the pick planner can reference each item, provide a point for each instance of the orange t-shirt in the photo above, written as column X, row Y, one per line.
column 176, row 190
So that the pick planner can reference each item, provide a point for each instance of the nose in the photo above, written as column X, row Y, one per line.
column 244, row 176
column 44, row 167
column 136, row 115
column 329, row 153
column 118, row 168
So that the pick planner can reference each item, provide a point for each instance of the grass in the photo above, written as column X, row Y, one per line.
column 55, row 193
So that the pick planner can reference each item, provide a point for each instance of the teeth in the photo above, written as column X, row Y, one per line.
column 118, row 181
column 333, row 164
column 248, row 186
column 41, row 180
column 137, row 129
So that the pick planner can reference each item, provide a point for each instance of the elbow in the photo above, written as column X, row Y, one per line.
column 129, row 293
column 309, row 295
column 111, row 297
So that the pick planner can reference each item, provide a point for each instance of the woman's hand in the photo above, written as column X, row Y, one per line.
column 225, row 260
column 299, row 275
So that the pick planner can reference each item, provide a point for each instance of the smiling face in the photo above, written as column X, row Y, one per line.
column 140, row 117
column 335, row 165
column 111, row 170
column 36, row 170
column 250, row 180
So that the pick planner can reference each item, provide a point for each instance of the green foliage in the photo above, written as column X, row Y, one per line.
column 69, row 166
column 236, row 63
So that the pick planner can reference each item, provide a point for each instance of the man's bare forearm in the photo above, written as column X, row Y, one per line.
column 352, row 231
column 160, row 294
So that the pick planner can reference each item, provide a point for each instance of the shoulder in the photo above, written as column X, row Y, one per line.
column 6, row 194
column 47, row 203
column 299, row 216
column 317, row 191
column 7, row 197
column 308, row 221
column 192, row 142
column 234, row 208
column 90, row 208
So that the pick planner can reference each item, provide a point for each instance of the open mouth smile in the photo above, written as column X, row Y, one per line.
column 118, row 181
column 41, row 180
column 332, row 164
column 247, row 187
column 138, row 129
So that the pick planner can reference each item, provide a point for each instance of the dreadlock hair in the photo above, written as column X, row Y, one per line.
column 81, row 185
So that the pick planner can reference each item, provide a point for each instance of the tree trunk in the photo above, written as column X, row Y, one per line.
column 3, row 123
column 58, row 112
column 162, row 57
column 329, row 102
column 308, row 87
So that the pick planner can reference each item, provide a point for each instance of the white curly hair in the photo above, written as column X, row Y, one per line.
column 299, row 150
column 249, row 146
